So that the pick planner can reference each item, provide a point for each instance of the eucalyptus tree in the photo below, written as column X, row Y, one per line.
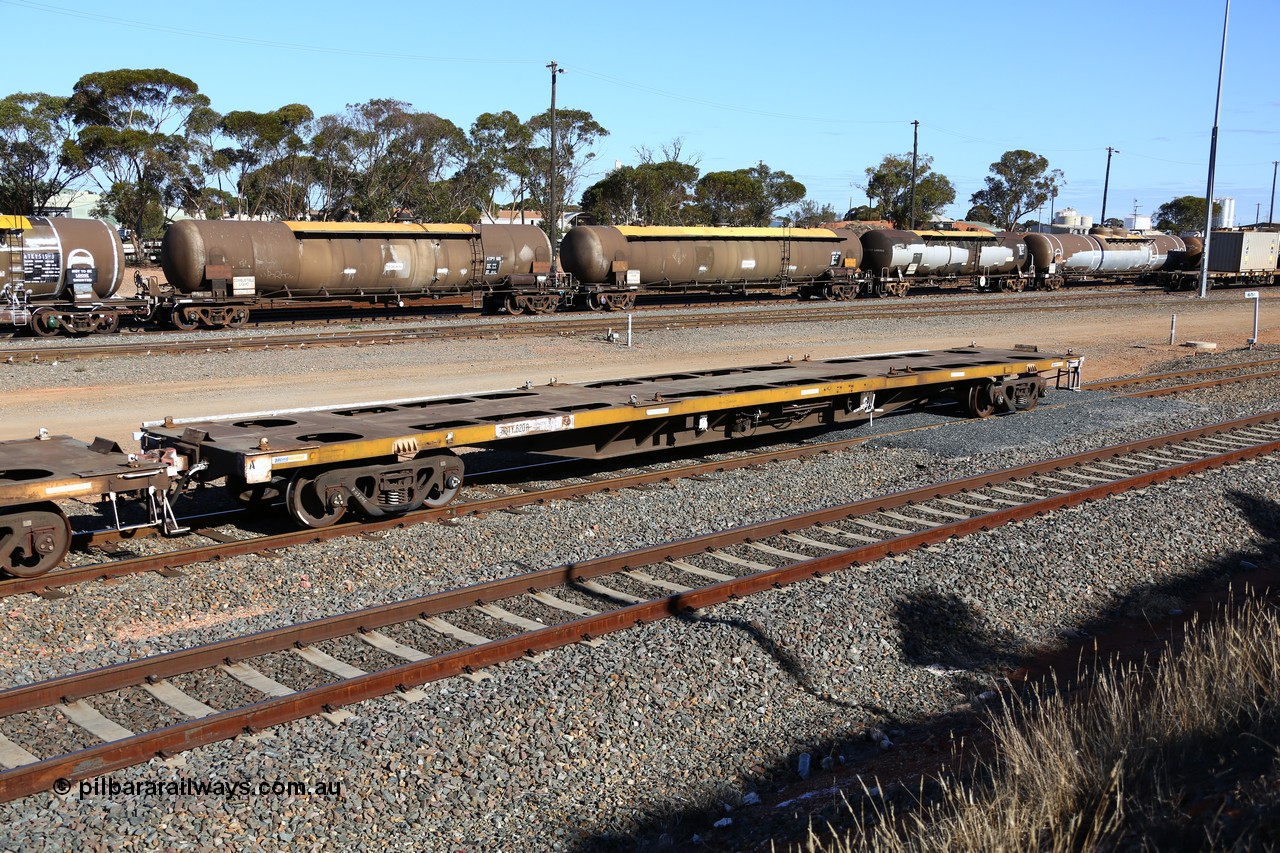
column 576, row 132
column 889, row 188
column 1020, row 181
column 269, row 164
column 746, row 197
column 137, row 132
column 35, row 130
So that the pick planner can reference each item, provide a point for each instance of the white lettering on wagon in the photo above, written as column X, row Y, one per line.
column 532, row 425
column 68, row 489
column 289, row 457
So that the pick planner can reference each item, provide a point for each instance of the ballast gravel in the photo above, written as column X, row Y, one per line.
column 654, row 735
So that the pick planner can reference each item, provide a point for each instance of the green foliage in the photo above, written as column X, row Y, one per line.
column 889, row 188
column 1182, row 214
column 980, row 213
column 746, row 197
column 35, row 130
column 1020, row 181
column 138, row 128
column 576, row 132
column 808, row 214
column 648, row 194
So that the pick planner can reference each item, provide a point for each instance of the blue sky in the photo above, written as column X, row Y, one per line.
column 819, row 90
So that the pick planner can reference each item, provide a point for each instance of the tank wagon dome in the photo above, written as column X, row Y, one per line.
column 346, row 258
column 60, row 253
column 671, row 255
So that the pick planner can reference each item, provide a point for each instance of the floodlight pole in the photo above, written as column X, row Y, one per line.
column 1106, row 184
column 1271, row 212
column 551, row 179
column 1213, row 157
column 915, row 149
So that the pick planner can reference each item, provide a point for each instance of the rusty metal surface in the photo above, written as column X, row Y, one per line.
column 105, row 757
column 273, row 259
column 59, row 466
column 259, row 443
column 672, row 257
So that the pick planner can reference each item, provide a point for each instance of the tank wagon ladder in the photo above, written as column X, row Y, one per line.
column 15, row 299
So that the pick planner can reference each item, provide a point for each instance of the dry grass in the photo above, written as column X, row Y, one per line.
column 1181, row 754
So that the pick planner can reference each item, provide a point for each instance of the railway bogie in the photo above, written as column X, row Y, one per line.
column 38, row 474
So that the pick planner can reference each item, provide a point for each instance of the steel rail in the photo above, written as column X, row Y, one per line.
column 96, row 760
column 1110, row 384
column 592, row 324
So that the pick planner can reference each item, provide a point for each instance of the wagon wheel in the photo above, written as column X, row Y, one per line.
column 830, row 293
column 44, row 323
column 33, row 540
column 978, row 401
column 237, row 318
column 110, row 324
column 626, row 301
column 512, row 305
column 897, row 288
column 444, row 494
column 595, row 302
column 184, row 318
column 308, row 506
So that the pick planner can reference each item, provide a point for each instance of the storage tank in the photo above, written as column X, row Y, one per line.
column 894, row 252
column 346, row 258
column 661, row 256
column 58, row 252
column 1068, row 216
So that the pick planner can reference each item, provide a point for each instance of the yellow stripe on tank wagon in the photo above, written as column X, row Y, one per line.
column 411, row 229
column 659, row 232
column 15, row 223
column 623, row 413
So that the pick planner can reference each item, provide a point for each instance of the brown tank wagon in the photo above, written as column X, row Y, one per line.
column 615, row 262
column 224, row 268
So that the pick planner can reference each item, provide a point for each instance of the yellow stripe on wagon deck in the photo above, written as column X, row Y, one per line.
column 15, row 223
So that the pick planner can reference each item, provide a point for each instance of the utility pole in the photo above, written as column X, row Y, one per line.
column 1213, row 157
column 1271, row 212
column 915, row 150
column 551, row 182
column 1106, row 184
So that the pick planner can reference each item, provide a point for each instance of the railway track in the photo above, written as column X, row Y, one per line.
column 557, row 325
column 427, row 639
column 474, row 501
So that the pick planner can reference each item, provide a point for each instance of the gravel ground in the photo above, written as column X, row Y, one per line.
column 643, row 741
